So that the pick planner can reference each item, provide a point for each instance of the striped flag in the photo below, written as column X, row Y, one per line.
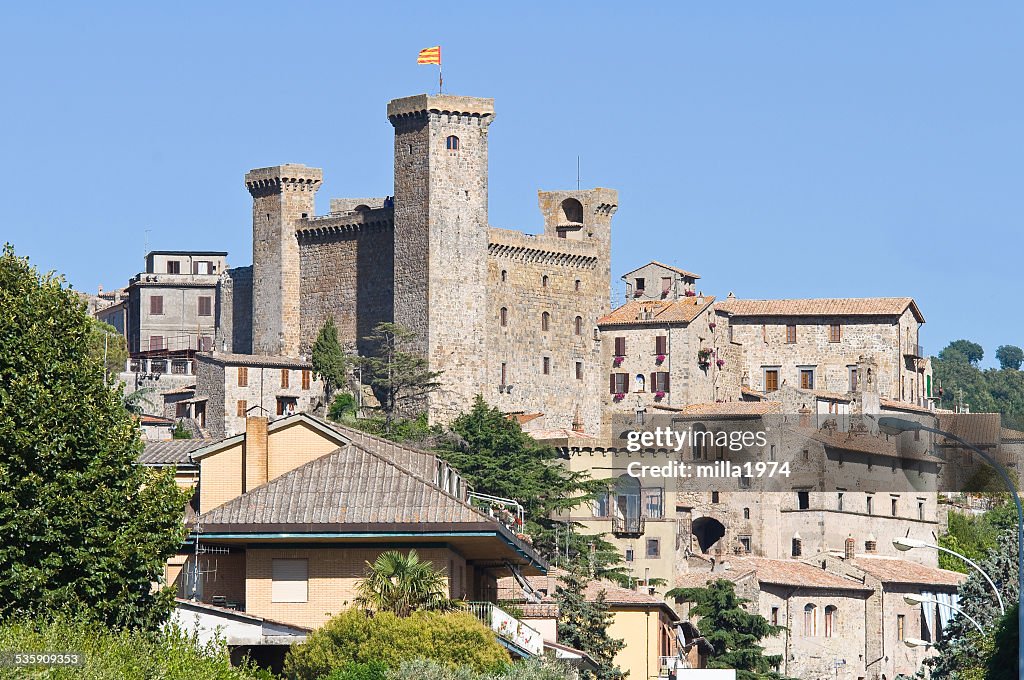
column 431, row 55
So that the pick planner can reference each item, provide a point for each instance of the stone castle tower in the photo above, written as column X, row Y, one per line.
column 501, row 313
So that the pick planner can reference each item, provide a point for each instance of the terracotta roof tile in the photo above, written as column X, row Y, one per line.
column 894, row 570
column 255, row 360
column 509, row 589
column 635, row 312
column 980, row 429
column 677, row 270
column 821, row 307
column 523, row 418
column 903, row 406
column 739, row 409
column 792, row 573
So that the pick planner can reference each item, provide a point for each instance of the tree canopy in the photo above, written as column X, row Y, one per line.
column 399, row 376
column 984, row 391
column 328, row 358
column 584, row 625
column 403, row 583
column 1010, row 357
column 84, row 527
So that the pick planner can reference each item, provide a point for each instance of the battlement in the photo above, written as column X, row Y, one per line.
column 515, row 245
column 333, row 224
column 418, row 106
column 288, row 177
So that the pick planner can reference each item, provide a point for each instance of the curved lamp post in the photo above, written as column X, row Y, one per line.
column 914, row 642
column 894, row 425
column 917, row 599
column 904, row 544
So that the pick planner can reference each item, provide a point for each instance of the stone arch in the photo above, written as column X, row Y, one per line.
column 572, row 211
column 708, row 531
column 362, row 207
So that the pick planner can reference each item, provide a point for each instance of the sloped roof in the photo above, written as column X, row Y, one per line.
column 614, row 594
column 980, row 429
column 1011, row 436
column 351, row 487
column 894, row 570
column 896, row 405
column 793, row 573
column 416, row 460
column 880, row 306
column 255, row 360
column 170, row 451
column 737, row 409
column 677, row 270
column 683, row 310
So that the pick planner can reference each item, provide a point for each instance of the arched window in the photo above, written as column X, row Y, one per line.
column 830, row 620
column 746, row 513
column 545, row 321
column 572, row 211
column 641, row 382
column 577, row 284
column 810, row 620
column 504, row 275
column 699, row 442
column 452, row 143
column 578, row 325
column 544, row 280
column 503, row 316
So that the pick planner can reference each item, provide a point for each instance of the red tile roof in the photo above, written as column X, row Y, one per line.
column 822, row 307
column 895, row 570
column 792, row 573
column 660, row 312
column 677, row 270
column 739, row 409
column 980, row 429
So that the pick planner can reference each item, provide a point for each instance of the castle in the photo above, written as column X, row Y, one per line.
column 501, row 313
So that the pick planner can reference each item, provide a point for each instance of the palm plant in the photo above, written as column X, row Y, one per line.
column 402, row 584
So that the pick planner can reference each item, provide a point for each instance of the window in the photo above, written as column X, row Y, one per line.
column 893, row 505
column 745, row 544
column 901, row 627
column 202, row 267
column 289, row 580
column 870, row 505
column 544, row 280
column 807, row 378
column 810, row 620
column 746, row 513
column 659, row 381
column 653, row 548
column 771, row 379
column 576, row 285
column 839, row 501
column 620, row 347
column 744, row 482
column 639, row 286
column 306, row 378
column 504, row 373
column 661, row 344
column 652, row 500
column 284, row 378
column 156, row 342
column 798, row 546
column 504, row 275
column 853, row 378
column 242, row 407
column 791, row 334
column 835, row 333
column 545, row 321
column 503, row 316
column 803, row 500
column 619, row 383
column 775, row 616
column 578, row 325
column 666, row 285
column 579, row 370
column 830, row 620
column 629, row 554
column 714, row 497
column 156, row 305
column 286, row 406
column 452, row 143
column 173, row 266
column 920, row 510
column 205, row 343
column 641, row 382
column 870, row 546
column 546, row 365
column 205, row 305
column 243, row 376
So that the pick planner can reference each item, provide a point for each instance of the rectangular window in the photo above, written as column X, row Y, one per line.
column 839, row 501
column 803, row 500
column 284, row 378
column 205, row 305
column 791, row 334
column 666, row 285
column 619, row 383
column 901, row 627
column 775, row 616
column 205, row 343
column 546, row 365
column 579, row 370
column 920, row 510
column 243, row 376
column 156, row 342
column 661, row 344
column 602, row 506
column 894, row 506
column 173, row 267
column 771, row 379
column 745, row 544
column 640, row 283
column 306, row 378
column 653, row 547
column 289, row 580
column 835, row 333
column 660, row 381
column 242, row 407
column 853, row 378
column 202, row 267
column 870, row 505
column 620, row 347
column 629, row 554
column 807, row 378
column 504, row 373
column 653, row 502
column 156, row 305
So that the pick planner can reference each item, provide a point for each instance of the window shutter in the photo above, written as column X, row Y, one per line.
column 620, row 347
column 660, row 344
column 625, row 383
column 290, row 579
column 654, row 382
column 611, row 383
column 666, row 388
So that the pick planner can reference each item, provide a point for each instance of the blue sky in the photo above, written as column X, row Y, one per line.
column 784, row 149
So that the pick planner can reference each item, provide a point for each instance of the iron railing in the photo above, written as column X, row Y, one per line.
column 508, row 627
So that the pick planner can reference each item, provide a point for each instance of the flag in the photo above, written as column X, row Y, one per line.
column 431, row 55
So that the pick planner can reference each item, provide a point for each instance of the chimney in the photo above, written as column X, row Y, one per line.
column 870, row 544
column 255, row 455
column 850, row 548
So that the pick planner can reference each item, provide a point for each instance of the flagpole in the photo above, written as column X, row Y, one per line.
column 440, row 79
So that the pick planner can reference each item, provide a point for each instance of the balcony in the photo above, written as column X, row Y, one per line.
column 628, row 527
column 913, row 351
column 513, row 633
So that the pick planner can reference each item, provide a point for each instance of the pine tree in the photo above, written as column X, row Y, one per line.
column 732, row 631
column 398, row 376
column 329, row 361
column 84, row 528
column 584, row 625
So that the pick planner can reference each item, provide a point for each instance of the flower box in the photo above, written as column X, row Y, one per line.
column 659, row 395
column 659, row 359
column 617, row 361
column 619, row 397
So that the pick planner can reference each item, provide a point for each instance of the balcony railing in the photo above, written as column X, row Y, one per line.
column 628, row 526
column 914, row 350
column 508, row 628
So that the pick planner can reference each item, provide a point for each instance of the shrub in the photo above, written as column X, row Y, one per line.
column 355, row 670
column 453, row 639
column 423, row 669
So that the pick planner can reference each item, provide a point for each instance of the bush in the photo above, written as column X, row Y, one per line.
column 123, row 655
column 422, row 669
column 453, row 640
column 360, row 671
column 343, row 408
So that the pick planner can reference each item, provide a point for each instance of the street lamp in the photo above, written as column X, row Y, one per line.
column 904, row 544
column 894, row 425
column 917, row 599
column 914, row 642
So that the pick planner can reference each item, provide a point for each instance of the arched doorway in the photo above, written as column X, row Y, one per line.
column 707, row 530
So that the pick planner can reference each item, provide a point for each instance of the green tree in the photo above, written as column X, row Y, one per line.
column 108, row 347
column 1010, row 357
column 1002, row 663
column 84, row 528
column 972, row 352
column 329, row 361
column 402, row 584
column 496, row 457
column 398, row 375
column 734, row 632
column 454, row 639
column 584, row 625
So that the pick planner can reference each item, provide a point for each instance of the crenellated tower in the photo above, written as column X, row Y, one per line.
column 281, row 196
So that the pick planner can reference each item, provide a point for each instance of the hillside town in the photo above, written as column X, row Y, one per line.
column 289, row 501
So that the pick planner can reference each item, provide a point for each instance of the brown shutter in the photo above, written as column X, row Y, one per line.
column 620, row 347
column 654, row 383
column 611, row 383
column 667, row 388
column 625, row 383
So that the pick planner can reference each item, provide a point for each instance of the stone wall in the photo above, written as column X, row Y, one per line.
column 234, row 311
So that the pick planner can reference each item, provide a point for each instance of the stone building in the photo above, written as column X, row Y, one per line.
column 501, row 313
